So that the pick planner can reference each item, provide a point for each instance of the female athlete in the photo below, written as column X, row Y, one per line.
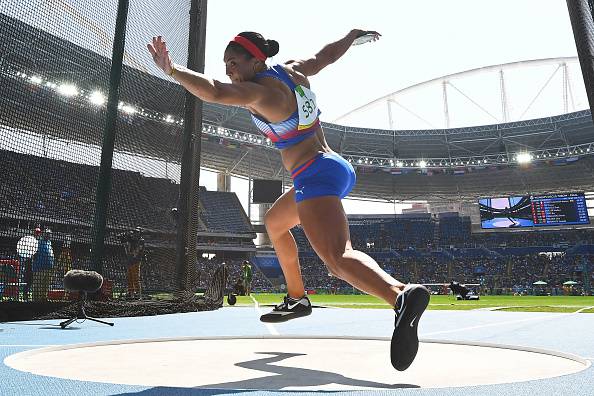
column 285, row 109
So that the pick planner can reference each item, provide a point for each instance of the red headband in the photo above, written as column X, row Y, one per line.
column 250, row 47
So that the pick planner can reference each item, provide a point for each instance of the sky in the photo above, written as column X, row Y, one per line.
column 420, row 40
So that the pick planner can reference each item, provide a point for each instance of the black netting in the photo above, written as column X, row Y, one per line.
column 582, row 21
column 54, row 59
column 55, row 62
column 212, row 299
column 148, row 147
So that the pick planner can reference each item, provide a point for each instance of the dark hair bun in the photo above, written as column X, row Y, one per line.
column 272, row 47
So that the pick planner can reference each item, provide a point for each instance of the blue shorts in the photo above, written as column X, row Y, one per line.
column 323, row 175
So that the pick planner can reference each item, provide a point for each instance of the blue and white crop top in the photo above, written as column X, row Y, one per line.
column 301, row 124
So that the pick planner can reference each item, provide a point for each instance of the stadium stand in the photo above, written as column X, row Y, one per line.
column 221, row 211
column 503, row 262
column 66, row 205
column 72, row 197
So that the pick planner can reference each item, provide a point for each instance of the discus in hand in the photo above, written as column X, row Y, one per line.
column 366, row 37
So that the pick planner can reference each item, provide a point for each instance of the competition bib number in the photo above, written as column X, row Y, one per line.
column 306, row 104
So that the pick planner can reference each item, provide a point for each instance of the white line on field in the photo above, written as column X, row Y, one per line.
column 583, row 309
column 271, row 329
column 497, row 324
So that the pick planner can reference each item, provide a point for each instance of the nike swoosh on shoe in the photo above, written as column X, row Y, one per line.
column 400, row 316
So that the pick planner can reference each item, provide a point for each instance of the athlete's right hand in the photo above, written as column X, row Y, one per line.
column 160, row 54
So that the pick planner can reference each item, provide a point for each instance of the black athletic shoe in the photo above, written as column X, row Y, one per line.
column 289, row 309
column 410, row 305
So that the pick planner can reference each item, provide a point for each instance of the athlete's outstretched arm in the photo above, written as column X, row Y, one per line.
column 205, row 88
column 329, row 54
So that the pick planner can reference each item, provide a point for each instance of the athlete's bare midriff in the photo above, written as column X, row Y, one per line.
column 278, row 110
column 300, row 153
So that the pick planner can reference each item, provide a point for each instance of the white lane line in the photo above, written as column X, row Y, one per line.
column 271, row 329
column 583, row 309
column 497, row 324
column 506, row 323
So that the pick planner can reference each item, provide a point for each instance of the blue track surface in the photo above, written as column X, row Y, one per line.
column 572, row 333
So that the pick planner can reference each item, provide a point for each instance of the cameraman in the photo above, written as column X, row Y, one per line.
column 134, row 245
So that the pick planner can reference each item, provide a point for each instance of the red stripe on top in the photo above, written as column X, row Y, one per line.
column 299, row 132
column 250, row 47
column 303, row 167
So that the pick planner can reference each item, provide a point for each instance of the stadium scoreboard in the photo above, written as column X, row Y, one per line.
column 555, row 209
column 559, row 209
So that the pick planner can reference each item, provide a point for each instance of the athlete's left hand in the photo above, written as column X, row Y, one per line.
column 160, row 54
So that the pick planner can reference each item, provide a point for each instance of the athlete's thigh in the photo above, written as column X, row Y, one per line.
column 282, row 215
column 326, row 226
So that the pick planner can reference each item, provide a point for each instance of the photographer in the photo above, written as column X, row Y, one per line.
column 134, row 245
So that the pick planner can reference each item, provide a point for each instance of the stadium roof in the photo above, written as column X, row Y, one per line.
column 435, row 164
column 495, row 94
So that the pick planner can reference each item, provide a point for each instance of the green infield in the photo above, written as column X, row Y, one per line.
column 440, row 302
